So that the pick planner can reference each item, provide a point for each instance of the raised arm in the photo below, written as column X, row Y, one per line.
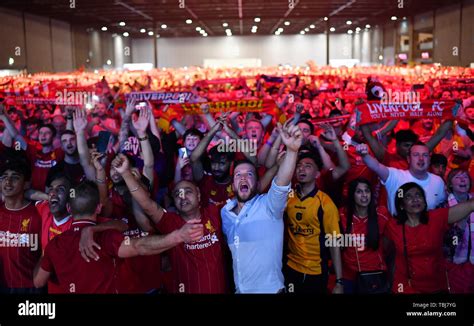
column 376, row 147
column 266, row 147
column 439, row 134
column 292, row 137
column 150, row 207
column 342, row 157
column 460, row 211
column 80, row 123
column 125, row 126
column 141, row 125
column 381, row 170
column 11, row 128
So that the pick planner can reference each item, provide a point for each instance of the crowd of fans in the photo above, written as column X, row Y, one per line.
column 130, row 196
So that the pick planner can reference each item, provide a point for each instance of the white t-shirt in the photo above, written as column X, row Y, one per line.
column 433, row 185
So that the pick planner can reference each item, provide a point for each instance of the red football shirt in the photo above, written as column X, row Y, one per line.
column 425, row 254
column 198, row 267
column 64, row 261
column 49, row 226
column 20, row 233
column 136, row 274
column 41, row 164
column 369, row 259
column 214, row 193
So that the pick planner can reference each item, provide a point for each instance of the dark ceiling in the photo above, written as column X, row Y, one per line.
column 211, row 14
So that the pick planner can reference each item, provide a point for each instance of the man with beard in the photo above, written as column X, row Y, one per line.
column 42, row 158
column 311, row 216
column 55, row 218
column 392, row 179
column 253, row 223
column 198, row 267
column 101, row 122
column 72, row 163
column 20, row 227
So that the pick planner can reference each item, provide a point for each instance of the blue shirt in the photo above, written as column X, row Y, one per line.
column 255, row 238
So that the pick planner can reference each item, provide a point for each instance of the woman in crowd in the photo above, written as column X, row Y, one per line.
column 365, row 223
column 459, row 238
column 417, row 236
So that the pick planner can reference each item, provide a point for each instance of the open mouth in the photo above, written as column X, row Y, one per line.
column 302, row 175
column 244, row 188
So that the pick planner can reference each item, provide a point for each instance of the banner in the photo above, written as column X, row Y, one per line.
column 36, row 90
column 50, row 101
column 375, row 111
column 249, row 105
column 163, row 97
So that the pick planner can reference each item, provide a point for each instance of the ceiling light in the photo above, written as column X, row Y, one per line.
column 225, row 24
column 125, row 34
column 357, row 29
column 326, row 19
column 198, row 29
column 104, row 28
column 150, row 33
column 349, row 22
column 306, row 29
column 142, row 30
column 109, row 62
column 287, row 23
column 164, row 26
column 367, row 26
column 332, row 29
column 257, row 19
column 254, row 30
column 157, row 35
column 189, row 21
column 312, row 26
column 122, row 23
column 302, row 32
column 350, row 31
column 277, row 33
column 393, row 18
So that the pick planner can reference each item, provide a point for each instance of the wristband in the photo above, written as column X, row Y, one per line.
column 101, row 181
column 339, row 281
column 135, row 189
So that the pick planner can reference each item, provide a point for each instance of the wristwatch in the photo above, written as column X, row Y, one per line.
column 339, row 281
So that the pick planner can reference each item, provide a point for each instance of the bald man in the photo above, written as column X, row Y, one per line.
column 198, row 267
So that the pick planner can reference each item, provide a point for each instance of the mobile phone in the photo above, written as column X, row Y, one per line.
column 103, row 141
column 183, row 152
column 140, row 105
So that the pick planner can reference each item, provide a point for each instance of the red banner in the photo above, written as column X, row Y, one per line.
column 375, row 111
column 248, row 105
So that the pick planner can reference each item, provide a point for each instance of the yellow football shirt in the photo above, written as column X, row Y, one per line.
column 303, row 229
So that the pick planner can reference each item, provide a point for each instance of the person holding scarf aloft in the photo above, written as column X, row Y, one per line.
column 459, row 239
